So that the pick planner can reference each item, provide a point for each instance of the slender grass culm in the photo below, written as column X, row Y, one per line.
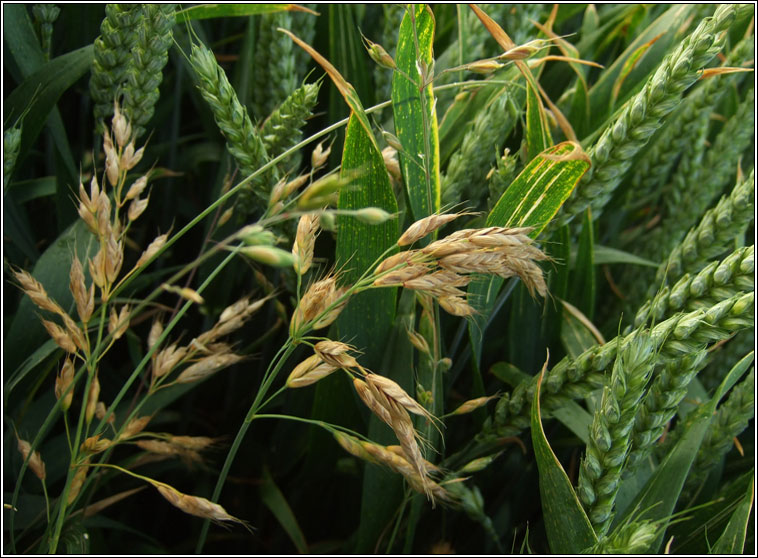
column 359, row 278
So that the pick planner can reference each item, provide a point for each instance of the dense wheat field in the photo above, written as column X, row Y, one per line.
column 386, row 278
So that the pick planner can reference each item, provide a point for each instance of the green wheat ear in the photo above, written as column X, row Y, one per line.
column 610, row 433
column 282, row 130
column 274, row 77
column 242, row 138
column 653, row 167
column 149, row 56
column 643, row 114
column 112, row 57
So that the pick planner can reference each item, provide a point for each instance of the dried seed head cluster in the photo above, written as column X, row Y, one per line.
column 215, row 355
column 35, row 461
column 305, row 241
column 395, row 458
column 197, row 506
column 310, row 371
column 442, row 267
column 319, row 306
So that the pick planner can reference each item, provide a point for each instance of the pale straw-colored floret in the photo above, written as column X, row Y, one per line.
column 152, row 249
column 83, row 297
column 156, row 330
column 165, row 360
column 197, row 506
column 62, row 383
column 135, row 426
column 456, row 306
column 76, row 334
column 366, row 395
column 35, row 460
column 118, row 322
column 321, row 296
column 305, row 241
column 160, row 447
column 95, row 444
column 36, row 292
column 196, row 443
column 93, row 396
column 401, row 275
column 425, row 226
column 398, row 259
column 78, row 481
column 308, row 372
column 207, row 366
column 59, row 335
column 472, row 404
column 335, row 353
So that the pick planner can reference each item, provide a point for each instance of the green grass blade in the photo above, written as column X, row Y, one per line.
column 583, row 277
column 415, row 114
column 208, row 11
column 537, row 131
column 530, row 201
column 569, row 531
column 657, row 499
column 368, row 317
column 44, row 87
column 275, row 501
column 607, row 255
column 732, row 540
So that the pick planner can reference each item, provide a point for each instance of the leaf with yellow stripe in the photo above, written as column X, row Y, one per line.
column 531, row 200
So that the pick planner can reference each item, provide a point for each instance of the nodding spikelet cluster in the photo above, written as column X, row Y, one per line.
column 384, row 397
column 610, row 433
column 682, row 334
column 642, row 115
column 35, row 459
column 395, row 459
column 197, row 506
column 393, row 16
column 206, row 353
column 242, row 138
column 442, row 267
column 319, row 306
column 305, row 242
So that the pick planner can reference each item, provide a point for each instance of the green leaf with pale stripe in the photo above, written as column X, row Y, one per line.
column 732, row 540
column 569, row 531
column 531, row 200
column 415, row 115
column 367, row 318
